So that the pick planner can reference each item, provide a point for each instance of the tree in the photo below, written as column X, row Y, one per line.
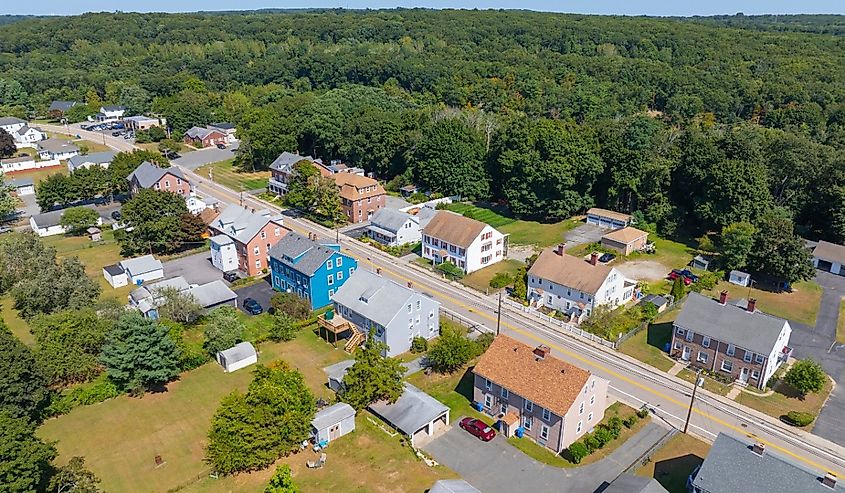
column 223, row 330
column 283, row 328
column 74, row 478
column 156, row 222
column 779, row 252
column 178, row 306
column 55, row 286
column 139, row 354
column 24, row 458
column 373, row 377
column 251, row 431
column 22, row 256
column 56, row 189
column 281, row 482
column 7, row 144
column 8, row 204
column 291, row 305
column 806, row 376
column 451, row 351
column 77, row 219
column 449, row 158
column 520, row 285
column 135, row 99
column 69, row 344
column 312, row 192
column 737, row 243
column 23, row 386
column 679, row 290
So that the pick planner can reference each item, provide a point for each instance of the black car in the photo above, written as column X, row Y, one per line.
column 116, row 134
column 221, row 146
column 252, row 307
column 607, row 257
column 115, row 215
column 230, row 276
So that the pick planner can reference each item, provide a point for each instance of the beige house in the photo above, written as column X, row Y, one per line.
column 554, row 402
column 625, row 240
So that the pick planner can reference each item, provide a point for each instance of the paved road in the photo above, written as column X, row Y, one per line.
column 195, row 159
column 498, row 467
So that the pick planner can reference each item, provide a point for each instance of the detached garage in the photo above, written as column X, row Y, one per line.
column 237, row 357
column 829, row 257
column 608, row 219
column 416, row 414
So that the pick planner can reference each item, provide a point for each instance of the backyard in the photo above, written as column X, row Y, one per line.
column 521, row 232
column 675, row 461
column 801, row 305
column 38, row 175
column 454, row 390
column 647, row 345
column 225, row 173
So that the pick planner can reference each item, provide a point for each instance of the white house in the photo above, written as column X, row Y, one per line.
column 102, row 159
column 56, row 149
column 27, row 136
column 240, row 356
column 333, row 422
column 23, row 186
column 142, row 269
column 115, row 275
column 576, row 286
column 394, row 228
column 829, row 257
column 739, row 278
column 110, row 113
column 11, row 124
column 469, row 244
column 196, row 204
column 50, row 223
column 224, row 254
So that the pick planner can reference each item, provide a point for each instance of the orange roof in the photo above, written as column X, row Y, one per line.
column 569, row 271
column 454, row 228
column 625, row 235
column 354, row 187
column 510, row 418
column 549, row 382
column 619, row 216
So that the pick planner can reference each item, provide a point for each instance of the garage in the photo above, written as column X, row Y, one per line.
column 415, row 414
column 829, row 257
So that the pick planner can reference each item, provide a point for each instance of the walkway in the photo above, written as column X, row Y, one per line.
column 498, row 467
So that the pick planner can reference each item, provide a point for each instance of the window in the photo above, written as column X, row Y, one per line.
column 419, row 304
column 178, row 181
column 488, row 384
column 166, row 183
column 578, row 428
column 589, row 417
column 731, row 350
column 747, row 357
column 760, row 358
column 690, row 335
column 263, row 235
column 593, row 384
column 277, row 232
column 258, row 263
column 705, row 341
column 504, row 393
column 527, row 421
column 702, row 357
column 339, row 261
column 581, row 408
column 409, row 308
column 329, row 264
column 331, row 280
column 351, row 270
column 488, row 400
column 340, row 275
column 544, row 432
column 592, row 400
column 727, row 365
column 529, row 406
column 331, row 293
column 679, row 331
column 755, row 374
column 256, row 250
column 547, row 415
column 677, row 345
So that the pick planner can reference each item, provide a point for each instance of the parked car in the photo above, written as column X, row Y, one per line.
column 676, row 273
column 128, row 136
column 221, row 146
column 688, row 274
column 171, row 155
column 116, row 133
column 230, row 276
column 607, row 257
column 5, row 229
column 115, row 215
column 252, row 307
column 478, row 428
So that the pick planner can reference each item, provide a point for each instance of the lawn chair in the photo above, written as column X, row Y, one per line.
column 316, row 464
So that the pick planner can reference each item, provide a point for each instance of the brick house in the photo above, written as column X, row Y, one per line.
column 735, row 339
column 360, row 196
column 242, row 239
column 554, row 402
column 148, row 175
column 205, row 137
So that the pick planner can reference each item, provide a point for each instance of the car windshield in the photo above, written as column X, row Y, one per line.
column 487, row 429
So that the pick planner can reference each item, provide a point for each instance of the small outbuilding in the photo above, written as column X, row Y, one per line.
column 607, row 219
column 662, row 302
column 701, row 262
column 628, row 483
column 23, row 186
column 333, row 422
column 416, row 414
column 240, row 356
column 336, row 372
column 143, row 269
column 115, row 275
column 453, row 486
column 625, row 240
column 739, row 278
column 94, row 233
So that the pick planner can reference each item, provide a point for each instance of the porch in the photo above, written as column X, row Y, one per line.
column 334, row 324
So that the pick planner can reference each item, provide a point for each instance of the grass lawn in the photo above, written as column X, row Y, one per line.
column 840, row 325
column 480, row 279
column 14, row 322
column 121, row 437
column 801, row 305
column 647, row 345
column 709, row 383
column 521, row 232
column 226, row 174
column 454, row 390
column 92, row 146
column 675, row 461
column 95, row 256
column 785, row 399
column 38, row 175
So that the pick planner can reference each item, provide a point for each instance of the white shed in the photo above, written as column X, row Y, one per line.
column 115, row 275
column 240, row 356
column 333, row 422
column 142, row 269
column 739, row 278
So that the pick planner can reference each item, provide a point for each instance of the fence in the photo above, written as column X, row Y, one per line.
column 563, row 326
column 646, row 456
column 469, row 324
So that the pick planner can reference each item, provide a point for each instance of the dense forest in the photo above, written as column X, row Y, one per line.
column 696, row 124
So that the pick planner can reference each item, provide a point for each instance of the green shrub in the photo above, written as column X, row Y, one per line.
column 500, row 280
column 419, row 345
column 483, row 341
column 592, row 443
column 642, row 412
column 603, row 436
column 577, row 452
column 93, row 392
column 797, row 418
column 451, row 270
column 630, row 421
column 614, row 424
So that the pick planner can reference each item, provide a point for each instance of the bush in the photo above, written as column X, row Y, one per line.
column 500, row 280
column 614, row 424
column 630, row 421
column 592, row 443
column 483, row 342
column 419, row 345
column 96, row 391
column 797, row 418
column 291, row 305
column 577, row 452
column 451, row 270
column 603, row 436
column 642, row 412
column 451, row 351
column 283, row 328
column 806, row 376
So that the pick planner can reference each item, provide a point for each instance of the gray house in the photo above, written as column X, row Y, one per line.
column 392, row 227
column 628, row 483
column 333, row 422
column 395, row 312
column 416, row 414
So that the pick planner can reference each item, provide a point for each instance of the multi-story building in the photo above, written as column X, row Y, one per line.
column 469, row 244
column 148, row 175
column 282, row 172
column 360, row 196
column 575, row 286
column 392, row 227
column 140, row 122
column 554, row 402
column 735, row 339
column 242, row 239
column 205, row 137
column 312, row 270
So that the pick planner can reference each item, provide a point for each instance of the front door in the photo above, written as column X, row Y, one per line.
column 686, row 353
column 743, row 375
column 334, row 432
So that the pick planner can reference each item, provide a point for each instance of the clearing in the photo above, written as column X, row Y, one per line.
column 643, row 270
column 647, row 345
column 40, row 174
column 521, row 232
column 226, row 174
column 675, row 461
column 801, row 305
column 480, row 279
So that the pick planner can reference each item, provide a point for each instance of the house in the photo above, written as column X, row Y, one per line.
column 575, row 286
column 397, row 313
column 110, row 113
column 416, row 414
column 332, row 423
column 141, row 269
column 735, row 339
column 310, row 269
column 196, row 204
column 242, row 239
column 20, row 163
column 239, row 356
column 336, row 372
column 335, row 167
column 27, row 136
column 608, row 219
column 135, row 123
column 50, row 223
column 626, row 240
column 452, row 486
column 209, row 296
column 554, row 402
column 661, row 302
column 95, row 234
column 227, row 129
column 23, row 186
column 829, row 257
column 409, row 190
column 462, row 241
column 740, row 465
column 56, row 149
column 628, row 483
column 204, row 137
column 59, row 108
column 701, row 262
column 394, row 228
column 282, row 172
column 11, row 124
column 148, row 175
column 102, row 159
column 360, row 196
column 739, row 278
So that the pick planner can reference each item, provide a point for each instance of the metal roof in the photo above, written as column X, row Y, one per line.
column 453, row 486
column 148, row 174
column 338, row 370
column 300, row 253
column 332, row 415
column 62, row 105
column 141, row 265
column 391, row 220
column 238, row 352
column 413, row 410
column 212, row 293
column 373, row 296
column 94, row 157
column 114, row 269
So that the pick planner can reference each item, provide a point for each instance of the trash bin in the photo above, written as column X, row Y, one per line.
column 478, row 406
column 519, row 432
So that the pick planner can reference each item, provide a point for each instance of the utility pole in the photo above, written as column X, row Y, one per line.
column 692, row 400
column 499, row 314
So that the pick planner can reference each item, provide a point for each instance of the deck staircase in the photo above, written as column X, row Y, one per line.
column 357, row 338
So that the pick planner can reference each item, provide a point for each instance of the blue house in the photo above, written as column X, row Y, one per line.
column 312, row 270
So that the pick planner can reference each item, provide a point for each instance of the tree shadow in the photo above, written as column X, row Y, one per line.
column 466, row 384
column 672, row 473
column 659, row 335
column 787, row 390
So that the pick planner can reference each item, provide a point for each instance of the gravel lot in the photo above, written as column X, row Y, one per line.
column 645, row 270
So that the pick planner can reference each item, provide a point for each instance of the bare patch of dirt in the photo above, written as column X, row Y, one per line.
column 645, row 270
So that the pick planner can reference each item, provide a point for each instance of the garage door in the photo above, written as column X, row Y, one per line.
column 824, row 265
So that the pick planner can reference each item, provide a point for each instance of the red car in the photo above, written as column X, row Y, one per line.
column 676, row 273
column 478, row 428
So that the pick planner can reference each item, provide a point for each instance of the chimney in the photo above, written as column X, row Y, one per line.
column 594, row 258
column 723, row 297
column 559, row 248
column 829, row 480
column 758, row 448
column 541, row 351
column 752, row 304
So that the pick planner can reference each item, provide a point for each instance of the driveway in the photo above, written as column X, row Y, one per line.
column 195, row 159
column 498, row 467
column 585, row 233
column 819, row 343
column 260, row 292
column 196, row 269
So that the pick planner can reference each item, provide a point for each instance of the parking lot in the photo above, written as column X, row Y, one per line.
column 195, row 159
column 585, row 233
column 260, row 292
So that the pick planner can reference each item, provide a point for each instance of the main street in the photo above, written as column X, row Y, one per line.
column 631, row 380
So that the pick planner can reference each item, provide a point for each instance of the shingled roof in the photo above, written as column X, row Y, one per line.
column 454, row 228
column 548, row 382
column 830, row 252
column 148, row 174
column 569, row 271
column 625, row 235
column 300, row 253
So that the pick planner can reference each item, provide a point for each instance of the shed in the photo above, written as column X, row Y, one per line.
column 453, row 486
column 94, row 233
column 336, row 372
column 240, row 356
column 415, row 414
column 660, row 301
column 115, row 275
column 701, row 262
column 739, row 278
column 628, row 483
column 333, row 422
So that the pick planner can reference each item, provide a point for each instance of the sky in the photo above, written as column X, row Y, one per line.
column 620, row 7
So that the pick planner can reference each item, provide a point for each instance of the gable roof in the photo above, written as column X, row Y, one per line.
column 619, row 216
column 332, row 415
column 242, row 224
column 113, row 107
column 222, row 125
column 201, row 133
column 11, row 120
column 212, row 293
column 569, row 271
column 831, row 252
column 413, row 410
column 391, row 220
column 239, row 352
column 54, row 218
column 454, row 228
column 373, row 296
column 338, row 370
column 56, row 146
column 628, row 483
column 149, row 174
column 286, row 160
column 141, row 265
column 62, row 105
column 300, row 253
column 730, row 323
column 625, row 235
column 731, row 467
column 550, row 382
column 94, row 157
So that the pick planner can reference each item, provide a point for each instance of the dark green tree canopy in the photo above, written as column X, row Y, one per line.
column 24, row 458
column 139, row 353
column 23, row 385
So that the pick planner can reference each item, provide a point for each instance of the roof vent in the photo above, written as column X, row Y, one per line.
column 829, row 480
column 541, row 351
column 758, row 448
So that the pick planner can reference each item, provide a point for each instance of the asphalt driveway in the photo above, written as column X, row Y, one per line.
column 195, row 159
column 196, row 269
column 498, row 467
column 260, row 292
column 585, row 233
